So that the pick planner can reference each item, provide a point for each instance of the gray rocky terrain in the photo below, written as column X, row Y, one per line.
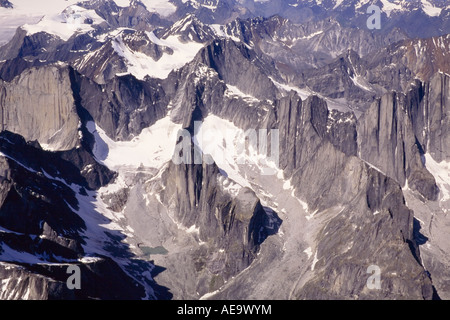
column 94, row 127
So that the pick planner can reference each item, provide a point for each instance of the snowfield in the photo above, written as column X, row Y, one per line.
column 65, row 24
column 441, row 172
column 152, row 148
column 141, row 65
column 29, row 12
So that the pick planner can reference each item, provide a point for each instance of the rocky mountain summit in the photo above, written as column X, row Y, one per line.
column 224, row 149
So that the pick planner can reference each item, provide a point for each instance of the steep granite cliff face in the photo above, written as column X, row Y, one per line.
column 229, row 220
column 39, row 105
column 353, row 201
column 431, row 121
column 369, row 228
column 386, row 139
column 397, row 131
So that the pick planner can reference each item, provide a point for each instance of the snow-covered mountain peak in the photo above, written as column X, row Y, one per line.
column 74, row 19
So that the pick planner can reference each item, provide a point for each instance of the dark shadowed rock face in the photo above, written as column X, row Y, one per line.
column 35, row 191
column 17, row 205
column 123, row 107
column 48, row 282
column 41, row 234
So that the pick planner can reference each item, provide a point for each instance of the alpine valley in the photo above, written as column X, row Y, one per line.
column 94, row 95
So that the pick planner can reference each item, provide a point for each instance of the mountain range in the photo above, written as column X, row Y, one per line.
column 99, row 98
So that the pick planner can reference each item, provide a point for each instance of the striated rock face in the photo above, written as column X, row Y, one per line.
column 228, row 59
column 20, row 283
column 32, row 190
column 72, row 163
column 369, row 228
column 397, row 130
column 387, row 141
column 431, row 120
column 211, row 11
column 324, row 175
column 348, row 200
column 190, row 28
column 303, row 121
column 234, row 222
column 42, row 49
column 40, row 106
column 101, row 66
